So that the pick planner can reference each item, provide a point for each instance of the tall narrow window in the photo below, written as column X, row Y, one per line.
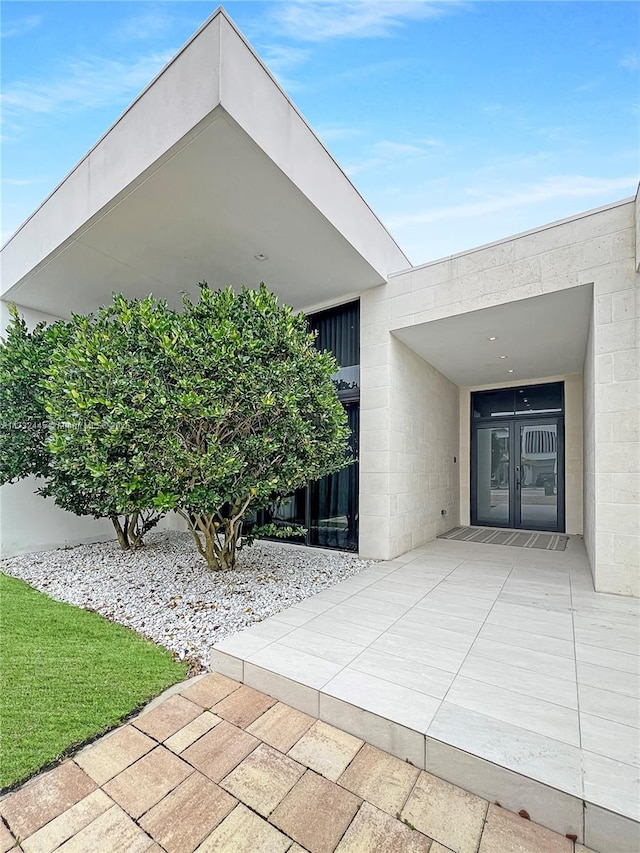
column 328, row 508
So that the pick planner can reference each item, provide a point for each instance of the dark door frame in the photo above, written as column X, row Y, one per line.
column 513, row 424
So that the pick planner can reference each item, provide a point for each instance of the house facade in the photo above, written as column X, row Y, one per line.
column 498, row 387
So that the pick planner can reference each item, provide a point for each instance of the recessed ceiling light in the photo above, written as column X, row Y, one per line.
column 510, row 370
column 503, row 356
column 260, row 256
column 492, row 338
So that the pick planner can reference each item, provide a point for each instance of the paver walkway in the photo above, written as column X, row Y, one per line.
column 218, row 767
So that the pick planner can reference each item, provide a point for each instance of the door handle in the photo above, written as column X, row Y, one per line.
column 518, row 477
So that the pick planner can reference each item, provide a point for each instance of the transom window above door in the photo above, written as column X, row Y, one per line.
column 521, row 400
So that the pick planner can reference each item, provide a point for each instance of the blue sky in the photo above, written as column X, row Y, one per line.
column 459, row 122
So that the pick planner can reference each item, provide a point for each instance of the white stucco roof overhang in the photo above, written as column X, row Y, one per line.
column 210, row 165
column 541, row 336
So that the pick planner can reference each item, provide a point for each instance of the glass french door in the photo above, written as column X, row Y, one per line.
column 517, row 475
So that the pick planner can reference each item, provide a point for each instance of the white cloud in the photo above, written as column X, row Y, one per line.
column 21, row 182
column 320, row 20
column 630, row 61
column 388, row 152
column 490, row 201
column 153, row 22
column 22, row 26
column 333, row 133
column 82, row 84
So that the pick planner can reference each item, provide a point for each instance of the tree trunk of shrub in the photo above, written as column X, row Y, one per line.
column 132, row 529
column 217, row 537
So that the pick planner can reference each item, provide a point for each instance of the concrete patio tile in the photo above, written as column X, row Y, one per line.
column 612, row 784
column 220, row 750
column 168, row 718
column 281, row 726
column 519, row 709
column 306, row 669
column 113, row 753
column 244, row 832
column 541, row 758
column 372, row 829
column 560, row 691
column 392, row 701
column 210, row 690
column 46, row 797
column 316, row 813
column 537, row 661
column 186, row 816
column 335, row 649
column 326, row 750
column 611, row 706
column 146, row 782
column 416, row 676
column 609, row 738
column 66, row 825
column 192, row 731
column 506, row 832
column 7, row 841
column 380, row 779
column 243, row 706
column 263, row 779
column 112, row 832
column 605, row 678
column 404, row 742
column 446, row 813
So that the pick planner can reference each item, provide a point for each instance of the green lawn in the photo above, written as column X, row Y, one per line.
column 66, row 675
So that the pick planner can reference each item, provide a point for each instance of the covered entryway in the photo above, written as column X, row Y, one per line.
column 517, row 457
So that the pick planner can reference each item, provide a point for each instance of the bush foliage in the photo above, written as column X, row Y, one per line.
column 210, row 411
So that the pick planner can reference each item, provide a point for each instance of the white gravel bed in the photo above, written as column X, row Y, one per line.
column 167, row 592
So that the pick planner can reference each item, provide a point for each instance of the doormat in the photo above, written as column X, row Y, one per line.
column 520, row 538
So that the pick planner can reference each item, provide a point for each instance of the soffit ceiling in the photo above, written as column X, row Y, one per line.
column 542, row 336
column 203, row 216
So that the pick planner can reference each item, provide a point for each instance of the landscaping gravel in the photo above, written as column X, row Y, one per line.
column 167, row 593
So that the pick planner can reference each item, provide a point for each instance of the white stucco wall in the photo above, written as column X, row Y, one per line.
column 29, row 522
column 573, row 447
column 589, row 450
column 408, row 440
column 616, row 416
column 598, row 248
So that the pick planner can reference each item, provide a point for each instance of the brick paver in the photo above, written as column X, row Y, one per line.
column 263, row 779
column 244, row 832
column 168, row 718
column 186, row 816
column 380, row 778
column 217, row 752
column 7, row 841
column 210, row 689
column 257, row 776
column 113, row 831
column 114, row 753
column 326, row 750
column 316, row 813
column 68, row 824
column 446, row 813
column 146, row 782
column 281, row 726
column 192, row 731
column 243, row 706
column 506, row 832
column 44, row 798
column 374, row 830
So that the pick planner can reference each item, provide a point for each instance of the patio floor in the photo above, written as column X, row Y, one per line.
column 218, row 767
column 498, row 669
